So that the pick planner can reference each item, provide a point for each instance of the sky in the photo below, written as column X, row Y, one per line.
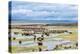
column 43, row 11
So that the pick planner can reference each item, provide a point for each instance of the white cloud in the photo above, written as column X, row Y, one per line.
column 30, row 12
column 23, row 11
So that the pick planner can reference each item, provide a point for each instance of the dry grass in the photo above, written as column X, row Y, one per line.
column 25, row 49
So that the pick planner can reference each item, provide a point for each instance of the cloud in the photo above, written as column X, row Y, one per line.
column 38, row 11
column 23, row 11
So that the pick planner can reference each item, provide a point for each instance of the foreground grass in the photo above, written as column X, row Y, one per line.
column 18, row 49
column 71, row 37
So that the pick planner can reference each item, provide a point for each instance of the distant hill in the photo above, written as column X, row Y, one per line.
column 63, row 24
column 44, row 21
column 47, row 22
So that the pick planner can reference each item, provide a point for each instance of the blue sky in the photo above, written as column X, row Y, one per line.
column 43, row 11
